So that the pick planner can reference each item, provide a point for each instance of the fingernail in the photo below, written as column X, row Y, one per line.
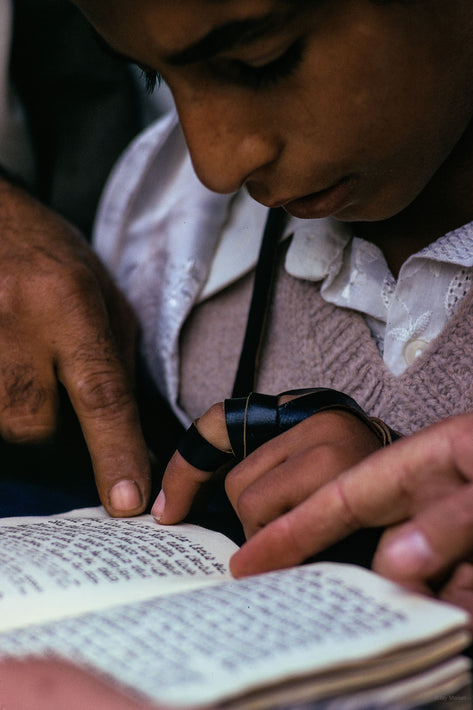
column 125, row 496
column 157, row 511
column 410, row 552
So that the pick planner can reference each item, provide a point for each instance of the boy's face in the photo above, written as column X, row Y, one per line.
column 341, row 107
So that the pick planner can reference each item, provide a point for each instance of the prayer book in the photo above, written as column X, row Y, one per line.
column 154, row 610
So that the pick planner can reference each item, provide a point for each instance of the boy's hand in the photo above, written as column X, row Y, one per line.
column 63, row 321
column 421, row 486
column 278, row 475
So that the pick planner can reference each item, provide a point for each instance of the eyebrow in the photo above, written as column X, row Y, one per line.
column 231, row 35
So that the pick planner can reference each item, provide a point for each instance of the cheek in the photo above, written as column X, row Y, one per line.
column 391, row 134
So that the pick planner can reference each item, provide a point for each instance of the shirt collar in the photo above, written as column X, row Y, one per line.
column 317, row 251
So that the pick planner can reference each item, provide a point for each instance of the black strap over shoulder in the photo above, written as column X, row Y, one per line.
column 245, row 378
column 253, row 418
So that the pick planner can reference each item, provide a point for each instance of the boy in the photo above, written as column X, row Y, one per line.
column 350, row 109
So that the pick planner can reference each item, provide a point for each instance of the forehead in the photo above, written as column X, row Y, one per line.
column 170, row 25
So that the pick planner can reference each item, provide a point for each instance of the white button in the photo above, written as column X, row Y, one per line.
column 413, row 350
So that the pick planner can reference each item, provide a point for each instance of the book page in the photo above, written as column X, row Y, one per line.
column 58, row 565
column 449, row 680
column 214, row 643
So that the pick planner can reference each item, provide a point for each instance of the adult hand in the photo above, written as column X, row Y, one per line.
column 54, row 684
column 278, row 475
column 63, row 321
column 421, row 487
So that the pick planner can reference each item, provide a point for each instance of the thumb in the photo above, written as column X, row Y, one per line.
column 181, row 483
column 182, row 480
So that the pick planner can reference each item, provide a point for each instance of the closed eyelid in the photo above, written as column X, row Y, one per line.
column 259, row 76
column 258, row 55
column 231, row 36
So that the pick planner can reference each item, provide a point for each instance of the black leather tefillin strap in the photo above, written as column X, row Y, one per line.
column 199, row 452
column 253, row 418
column 193, row 446
column 245, row 378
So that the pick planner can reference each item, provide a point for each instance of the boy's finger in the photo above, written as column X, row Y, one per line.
column 181, row 483
column 284, row 471
column 182, row 480
column 273, row 453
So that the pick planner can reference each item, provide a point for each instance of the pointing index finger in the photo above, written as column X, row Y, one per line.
column 103, row 401
column 295, row 536
column 387, row 487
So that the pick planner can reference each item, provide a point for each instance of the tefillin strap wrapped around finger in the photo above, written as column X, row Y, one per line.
column 253, row 420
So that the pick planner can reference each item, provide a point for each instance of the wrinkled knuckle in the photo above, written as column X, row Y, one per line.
column 102, row 391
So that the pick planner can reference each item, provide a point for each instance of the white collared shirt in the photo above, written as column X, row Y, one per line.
column 404, row 315
column 171, row 242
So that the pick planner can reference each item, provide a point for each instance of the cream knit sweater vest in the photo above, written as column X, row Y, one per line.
column 311, row 343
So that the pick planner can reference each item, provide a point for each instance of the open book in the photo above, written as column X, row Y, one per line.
column 155, row 610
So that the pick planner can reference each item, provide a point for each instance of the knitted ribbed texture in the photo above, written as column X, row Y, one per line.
column 311, row 343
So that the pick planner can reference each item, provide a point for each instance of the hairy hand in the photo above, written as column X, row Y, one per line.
column 63, row 321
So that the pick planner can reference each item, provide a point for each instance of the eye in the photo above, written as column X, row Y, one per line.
column 257, row 77
column 152, row 80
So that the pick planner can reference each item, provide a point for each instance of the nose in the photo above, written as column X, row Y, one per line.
column 228, row 142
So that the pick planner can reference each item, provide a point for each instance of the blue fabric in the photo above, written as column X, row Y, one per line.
column 46, row 479
column 30, row 498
